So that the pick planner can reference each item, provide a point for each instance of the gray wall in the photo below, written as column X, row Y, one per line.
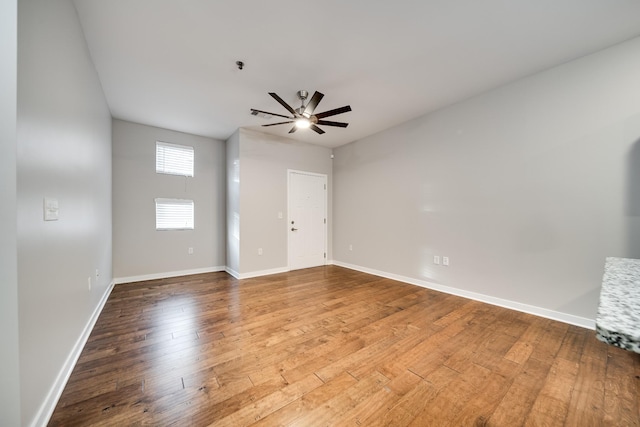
column 63, row 151
column 138, row 248
column 526, row 188
column 264, row 160
column 9, row 354
column 233, row 203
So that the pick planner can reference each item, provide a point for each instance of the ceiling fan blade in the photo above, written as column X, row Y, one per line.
column 271, row 114
column 316, row 129
column 279, row 123
column 328, row 123
column 313, row 103
column 284, row 104
column 334, row 112
column 293, row 129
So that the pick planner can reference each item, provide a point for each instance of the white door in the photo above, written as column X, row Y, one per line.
column 307, row 219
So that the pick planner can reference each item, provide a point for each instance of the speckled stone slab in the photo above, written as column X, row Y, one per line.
column 618, row 321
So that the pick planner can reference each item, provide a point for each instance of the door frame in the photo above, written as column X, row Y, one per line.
column 288, row 224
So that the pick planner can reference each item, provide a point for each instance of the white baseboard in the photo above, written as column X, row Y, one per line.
column 130, row 279
column 260, row 273
column 513, row 305
column 141, row 278
column 154, row 276
column 46, row 409
column 232, row 272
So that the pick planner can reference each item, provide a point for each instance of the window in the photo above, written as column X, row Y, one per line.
column 174, row 159
column 174, row 214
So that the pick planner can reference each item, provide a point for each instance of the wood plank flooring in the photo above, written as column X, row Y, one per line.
column 332, row 346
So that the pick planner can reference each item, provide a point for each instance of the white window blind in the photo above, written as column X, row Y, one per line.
column 174, row 159
column 174, row 214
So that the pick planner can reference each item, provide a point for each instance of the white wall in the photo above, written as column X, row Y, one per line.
column 139, row 250
column 233, row 203
column 63, row 151
column 526, row 188
column 264, row 160
column 9, row 354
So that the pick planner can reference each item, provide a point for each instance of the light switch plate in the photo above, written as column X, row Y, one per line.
column 51, row 210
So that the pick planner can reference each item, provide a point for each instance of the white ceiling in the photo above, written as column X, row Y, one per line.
column 171, row 63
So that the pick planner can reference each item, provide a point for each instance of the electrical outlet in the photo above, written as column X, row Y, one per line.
column 190, row 251
column 445, row 260
column 351, row 248
column 259, row 251
column 436, row 259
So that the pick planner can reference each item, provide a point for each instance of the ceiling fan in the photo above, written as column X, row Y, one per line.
column 304, row 116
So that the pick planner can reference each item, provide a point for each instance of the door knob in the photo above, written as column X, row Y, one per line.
column 294, row 229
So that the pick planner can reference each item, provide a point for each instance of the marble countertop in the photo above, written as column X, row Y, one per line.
column 618, row 320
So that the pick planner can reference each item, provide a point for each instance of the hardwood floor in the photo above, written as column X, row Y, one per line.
column 332, row 346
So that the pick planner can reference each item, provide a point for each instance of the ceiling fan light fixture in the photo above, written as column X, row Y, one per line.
column 303, row 123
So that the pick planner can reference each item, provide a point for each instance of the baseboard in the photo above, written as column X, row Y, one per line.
column 513, row 305
column 49, row 405
column 144, row 277
column 232, row 272
column 259, row 273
